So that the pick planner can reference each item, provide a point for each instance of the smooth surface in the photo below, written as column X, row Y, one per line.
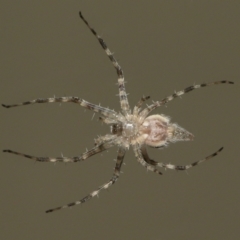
column 47, row 50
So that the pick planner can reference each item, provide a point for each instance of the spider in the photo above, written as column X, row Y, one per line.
column 127, row 128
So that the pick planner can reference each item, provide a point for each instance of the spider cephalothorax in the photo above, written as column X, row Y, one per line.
column 129, row 128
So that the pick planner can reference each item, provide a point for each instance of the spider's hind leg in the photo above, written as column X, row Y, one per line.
column 137, row 108
column 185, row 167
column 144, row 160
column 146, row 156
column 165, row 100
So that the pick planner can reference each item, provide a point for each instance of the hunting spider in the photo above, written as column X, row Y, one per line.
column 127, row 128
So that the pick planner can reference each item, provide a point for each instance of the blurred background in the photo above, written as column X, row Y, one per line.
column 162, row 46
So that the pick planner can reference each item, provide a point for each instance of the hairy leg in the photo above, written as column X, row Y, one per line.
column 120, row 156
column 121, row 84
column 164, row 101
column 185, row 167
column 97, row 149
column 144, row 160
column 96, row 108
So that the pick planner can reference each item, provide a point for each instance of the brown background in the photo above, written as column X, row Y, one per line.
column 46, row 50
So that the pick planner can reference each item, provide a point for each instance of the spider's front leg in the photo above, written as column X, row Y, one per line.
column 50, row 100
column 90, row 106
column 120, row 156
column 121, row 83
column 97, row 149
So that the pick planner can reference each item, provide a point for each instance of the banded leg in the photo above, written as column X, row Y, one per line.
column 137, row 108
column 103, row 139
column 185, row 167
column 150, row 108
column 96, row 108
column 146, row 156
column 122, row 91
column 88, row 154
column 120, row 156
column 144, row 160
column 108, row 120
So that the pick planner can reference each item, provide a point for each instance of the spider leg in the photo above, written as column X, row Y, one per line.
column 120, row 156
column 122, row 91
column 96, row 108
column 108, row 120
column 103, row 139
column 97, row 149
column 150, row 108
column 185, row 167
column 143, row 158
column 146, row 156
column 137, row 108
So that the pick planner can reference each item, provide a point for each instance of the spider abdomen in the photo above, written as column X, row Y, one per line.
column 155, row 129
